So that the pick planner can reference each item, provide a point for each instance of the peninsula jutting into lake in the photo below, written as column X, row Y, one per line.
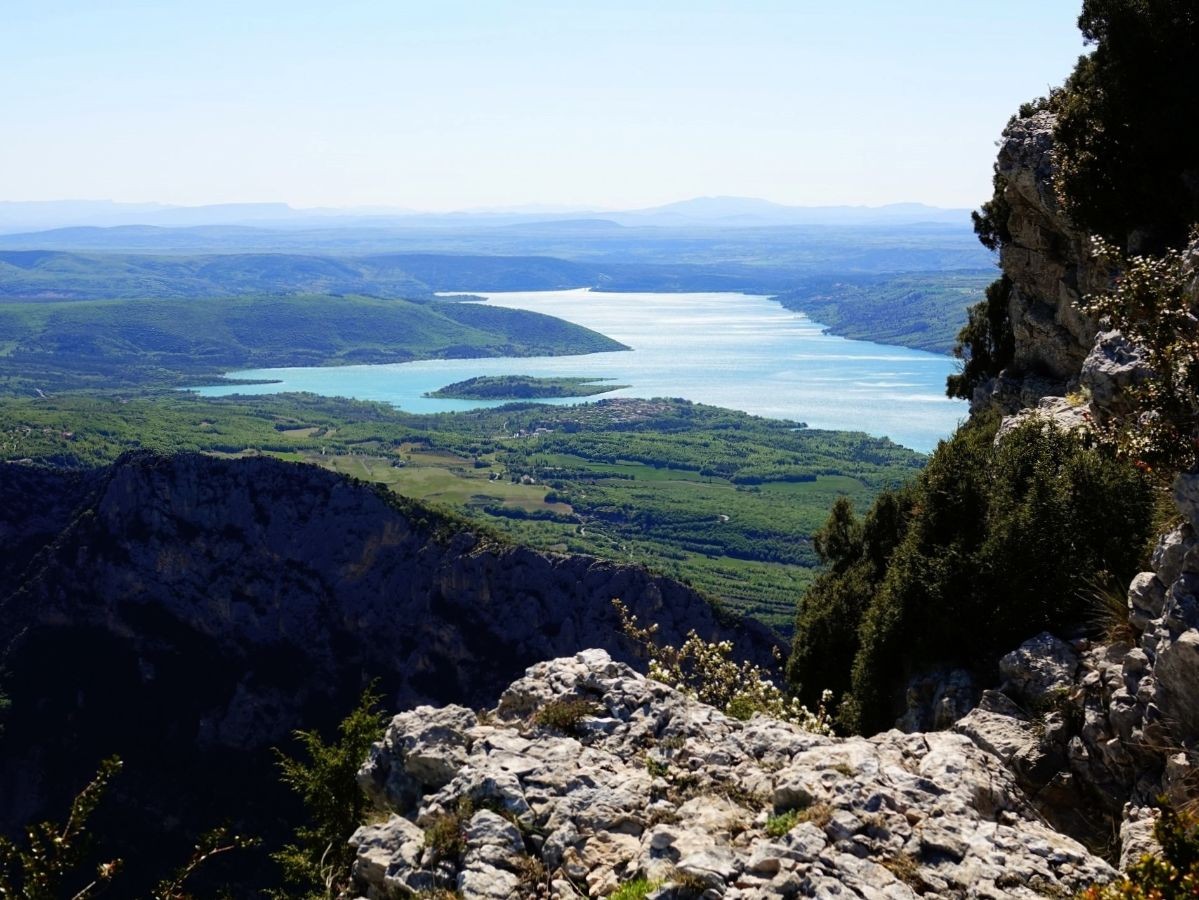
column 740, row 351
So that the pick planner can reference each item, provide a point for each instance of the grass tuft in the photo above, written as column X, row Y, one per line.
column 565, row 715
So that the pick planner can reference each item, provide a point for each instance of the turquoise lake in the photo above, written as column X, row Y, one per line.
column 739, row 351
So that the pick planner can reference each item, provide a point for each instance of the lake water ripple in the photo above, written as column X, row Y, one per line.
column 739, row 351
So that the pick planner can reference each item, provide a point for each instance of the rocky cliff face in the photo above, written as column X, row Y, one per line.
column 190, row 612
column 653, row 785
column 1079, row 742
column 1050, row 269
column 36, row 505
column 1058, row 348
column 257, row 553
column 1094, row 732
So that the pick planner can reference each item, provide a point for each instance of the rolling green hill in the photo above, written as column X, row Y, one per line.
column 866, row 290
column 56, row 345
column 924, row 310
column 36, row 274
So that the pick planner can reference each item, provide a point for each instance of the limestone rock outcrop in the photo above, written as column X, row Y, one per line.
column 1098, row 732
column 651, row 784
column 1058, row 347
column 1113, row 366
column 1060, row 412
column 1050, row 268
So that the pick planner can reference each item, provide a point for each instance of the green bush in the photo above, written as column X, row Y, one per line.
column 1127, row 139
column 1172, row 876
column 318, row 862
column 987, row 547
column 1152, row 306
column 856, row 555
column 986, row 343
column 566, row 715
column 990, row 221
column 779, row 825
column 637, row 889
column 706, row 671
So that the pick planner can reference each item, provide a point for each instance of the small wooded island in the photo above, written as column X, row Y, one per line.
column 522, row 387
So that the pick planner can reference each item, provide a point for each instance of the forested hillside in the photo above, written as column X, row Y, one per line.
column 53, row 345
column 904, row 286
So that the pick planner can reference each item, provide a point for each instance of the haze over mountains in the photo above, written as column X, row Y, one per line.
column 922, row 264
column 716, row 212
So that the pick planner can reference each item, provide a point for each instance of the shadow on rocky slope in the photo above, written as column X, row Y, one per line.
column 188, row 613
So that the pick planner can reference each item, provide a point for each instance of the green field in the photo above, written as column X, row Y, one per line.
column 719, row 499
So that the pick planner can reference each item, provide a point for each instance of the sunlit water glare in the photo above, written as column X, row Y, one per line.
column 739, row 351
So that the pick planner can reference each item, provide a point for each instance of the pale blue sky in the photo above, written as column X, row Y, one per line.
column 449, row 104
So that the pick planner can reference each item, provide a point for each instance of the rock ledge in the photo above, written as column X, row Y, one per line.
column 653, row 784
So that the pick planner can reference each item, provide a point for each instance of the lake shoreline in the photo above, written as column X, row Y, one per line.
column 738, row 351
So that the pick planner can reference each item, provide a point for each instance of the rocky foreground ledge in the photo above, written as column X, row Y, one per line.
column 547, row 796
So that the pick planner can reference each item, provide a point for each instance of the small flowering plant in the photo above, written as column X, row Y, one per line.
column 706, row 671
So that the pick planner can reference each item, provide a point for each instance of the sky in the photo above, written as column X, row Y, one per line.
column 448, row 104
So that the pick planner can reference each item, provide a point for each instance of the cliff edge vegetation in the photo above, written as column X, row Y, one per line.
column 1090, row 334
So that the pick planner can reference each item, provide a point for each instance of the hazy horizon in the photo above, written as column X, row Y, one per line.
column 35, row 218
column 532, row 208
column 469, row 106
column 525, row 209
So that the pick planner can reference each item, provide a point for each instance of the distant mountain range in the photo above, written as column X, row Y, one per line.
column 749, row 212
column 713, row 212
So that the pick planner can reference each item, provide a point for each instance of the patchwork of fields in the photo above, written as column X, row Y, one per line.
column 722, row 500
